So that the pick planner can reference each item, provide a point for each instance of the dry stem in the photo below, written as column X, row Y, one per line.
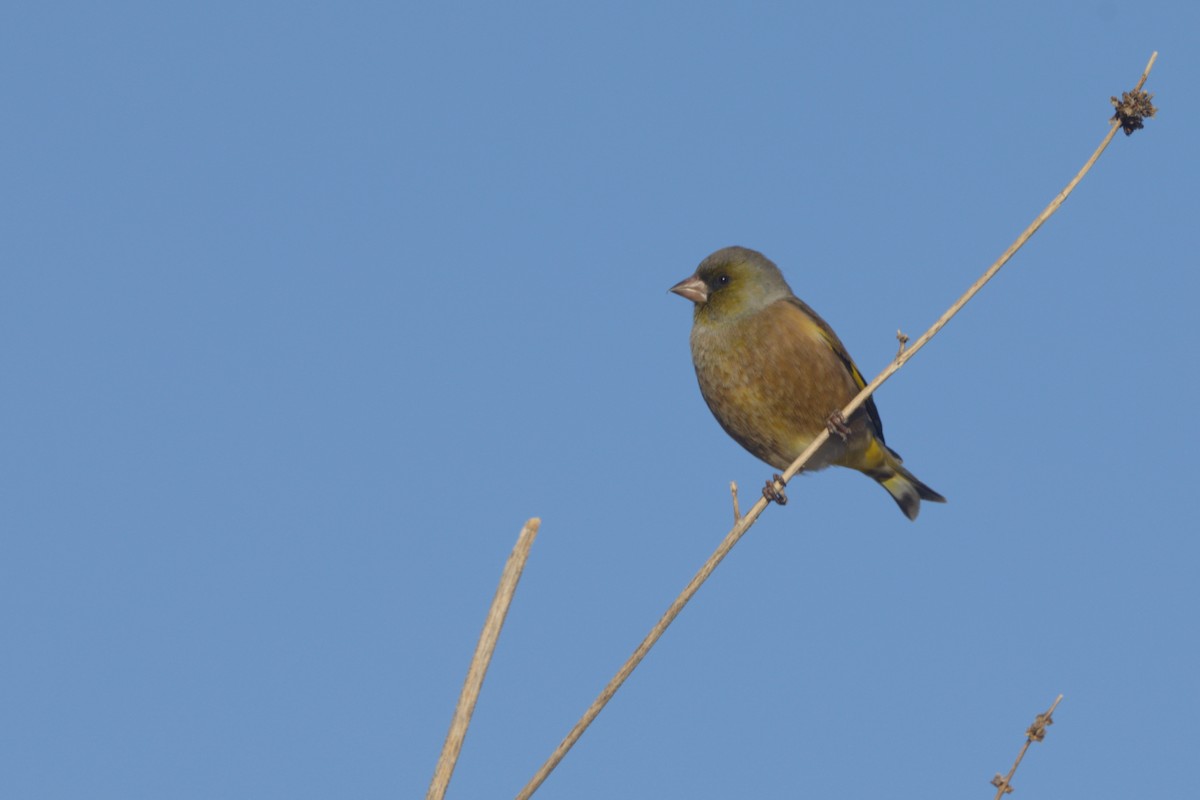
column 744, row 523
column 1035, row 733
column 479, row 663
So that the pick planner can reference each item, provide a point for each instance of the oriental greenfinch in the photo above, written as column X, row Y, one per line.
column 775, row 375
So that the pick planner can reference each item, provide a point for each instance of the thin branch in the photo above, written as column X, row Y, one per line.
column 479, row 663
column 1035, row 733
column 909, row 352
column 745, row 522
column 642, row 649
column 737, row 512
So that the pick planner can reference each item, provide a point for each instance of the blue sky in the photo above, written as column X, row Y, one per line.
column 307, row 307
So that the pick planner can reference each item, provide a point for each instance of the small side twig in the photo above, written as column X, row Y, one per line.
column 902, row 338
column 479, row 663
column 737, row 512
column 1035, row 733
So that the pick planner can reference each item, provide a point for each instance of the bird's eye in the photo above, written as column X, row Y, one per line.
column 722, row 280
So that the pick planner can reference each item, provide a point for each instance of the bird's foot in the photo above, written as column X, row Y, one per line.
column 837, row 425
column 773, row 491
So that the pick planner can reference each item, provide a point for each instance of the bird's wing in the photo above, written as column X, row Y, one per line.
column 836, row 345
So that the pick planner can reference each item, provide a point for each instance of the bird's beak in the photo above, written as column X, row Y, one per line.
column 692, row 288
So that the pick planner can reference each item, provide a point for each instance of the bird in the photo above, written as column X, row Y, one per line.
column 775, row 376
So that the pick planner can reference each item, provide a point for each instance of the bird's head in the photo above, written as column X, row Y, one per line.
column 732, row 282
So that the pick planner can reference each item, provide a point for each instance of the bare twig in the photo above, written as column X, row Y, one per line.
column 642, row 649
column 900, row 360
column 481, row 659
column 737, row 512
column 745, row 522
column 1035, row 733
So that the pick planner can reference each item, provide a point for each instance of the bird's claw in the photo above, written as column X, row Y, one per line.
column 837, row 425
column 773, row 491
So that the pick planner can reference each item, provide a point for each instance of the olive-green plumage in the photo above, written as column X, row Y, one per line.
column 773, row 373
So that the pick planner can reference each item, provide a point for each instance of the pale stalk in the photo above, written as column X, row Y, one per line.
column 482, row 658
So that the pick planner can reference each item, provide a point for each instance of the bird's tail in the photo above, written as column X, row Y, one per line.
column 886, row 467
